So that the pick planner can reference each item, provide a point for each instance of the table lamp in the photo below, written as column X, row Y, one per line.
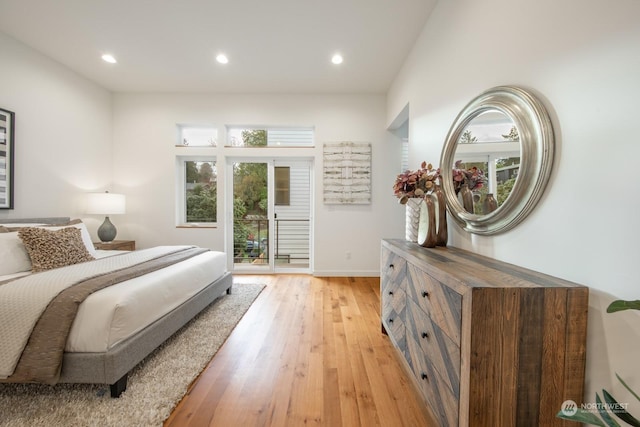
column 106, row 204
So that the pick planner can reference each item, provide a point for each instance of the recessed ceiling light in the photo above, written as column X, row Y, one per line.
column 222, row 58
column 109, row 58
column 336, row 59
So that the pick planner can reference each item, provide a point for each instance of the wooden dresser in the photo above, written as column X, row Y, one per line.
column 487, row 343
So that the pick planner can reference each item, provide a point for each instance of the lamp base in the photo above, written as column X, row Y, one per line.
column 107, row 231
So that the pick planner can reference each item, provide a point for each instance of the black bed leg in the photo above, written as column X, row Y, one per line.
column 119, row 386
column 229, row 290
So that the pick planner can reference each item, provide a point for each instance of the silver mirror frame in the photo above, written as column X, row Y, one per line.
column 536, row 158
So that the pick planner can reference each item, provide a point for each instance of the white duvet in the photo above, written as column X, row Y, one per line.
column 117, row 312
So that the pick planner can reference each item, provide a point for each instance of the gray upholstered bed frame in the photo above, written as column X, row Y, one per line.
column 112, row 367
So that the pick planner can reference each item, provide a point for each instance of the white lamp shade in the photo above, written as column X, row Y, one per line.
column 105, row 203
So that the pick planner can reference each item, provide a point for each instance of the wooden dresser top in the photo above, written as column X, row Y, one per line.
column 472, row 270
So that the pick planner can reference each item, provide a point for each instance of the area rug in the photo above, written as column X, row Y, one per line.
column 154, row 388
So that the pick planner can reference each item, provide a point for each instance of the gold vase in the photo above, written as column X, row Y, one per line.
column 466, row 197
column 427, row 231
column 441, row 217
column 490, row 204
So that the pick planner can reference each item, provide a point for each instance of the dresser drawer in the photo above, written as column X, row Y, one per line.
column 398, row 335
column 393, row 269
column 394, row 300
column 443, row 402
column 393, row 285
column 440, row 302
column 393, row 322
column 394, row 306
column 441, row 351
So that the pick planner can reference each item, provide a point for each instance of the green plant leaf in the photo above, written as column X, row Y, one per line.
column 582, row 416
column 620, row 413
column 627, row 387
column 604, row 414
column 620, row 305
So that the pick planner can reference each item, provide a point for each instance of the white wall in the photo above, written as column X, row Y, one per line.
column 144, row 168
column 583, row 59
column 62, row 134
column 74, row 137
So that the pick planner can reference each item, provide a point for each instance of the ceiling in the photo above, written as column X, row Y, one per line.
column 273, row 46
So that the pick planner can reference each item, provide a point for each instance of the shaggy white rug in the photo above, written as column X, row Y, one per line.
column 154, row 388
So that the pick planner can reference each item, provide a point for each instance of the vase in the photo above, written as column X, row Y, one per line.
column 490, row 204
column 441, row 217
column 466, row 197
column 427, row 229
column 412, row 216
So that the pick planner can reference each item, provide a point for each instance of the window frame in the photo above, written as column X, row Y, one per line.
column 181, row 196
column 230, row 129
column 180, row 135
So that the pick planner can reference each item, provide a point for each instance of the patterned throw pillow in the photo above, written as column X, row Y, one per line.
column 52, row 249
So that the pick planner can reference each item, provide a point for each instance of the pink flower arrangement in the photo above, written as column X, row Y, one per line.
column 410, row 184
column 473, row 177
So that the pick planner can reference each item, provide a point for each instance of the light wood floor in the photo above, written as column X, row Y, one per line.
column 308, row 352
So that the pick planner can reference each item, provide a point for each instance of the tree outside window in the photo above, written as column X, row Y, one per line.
column 201, row 191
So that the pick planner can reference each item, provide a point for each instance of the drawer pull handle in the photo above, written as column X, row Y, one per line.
column 390, row 292
column 425, row 294
column 391, row 320
column 391, row 266
column 425, row 335
column 424, row 376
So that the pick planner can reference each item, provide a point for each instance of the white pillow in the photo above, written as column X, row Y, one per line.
column 13, row 254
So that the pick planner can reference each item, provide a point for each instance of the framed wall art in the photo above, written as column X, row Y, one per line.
column 7, row 119
column 347, row 173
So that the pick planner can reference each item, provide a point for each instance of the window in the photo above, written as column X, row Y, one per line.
column 196, row 172
column 197, row 136
column 239, row 136
column 196, row 176
column 198, row 190
column 404, row 155
column 282, row 185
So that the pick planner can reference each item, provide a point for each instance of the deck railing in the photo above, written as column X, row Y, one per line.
column 291, row 242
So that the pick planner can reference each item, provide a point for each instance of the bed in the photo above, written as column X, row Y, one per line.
column 118, row 325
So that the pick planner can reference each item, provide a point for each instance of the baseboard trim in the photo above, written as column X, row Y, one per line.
column 339, row 273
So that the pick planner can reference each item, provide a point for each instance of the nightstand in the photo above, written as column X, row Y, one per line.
column 116, row 245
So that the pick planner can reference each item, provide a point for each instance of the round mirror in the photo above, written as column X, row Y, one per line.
column 497, row 160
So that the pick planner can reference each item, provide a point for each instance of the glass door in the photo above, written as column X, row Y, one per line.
column 292, row 215
column 251, row 215
column 270, row 215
